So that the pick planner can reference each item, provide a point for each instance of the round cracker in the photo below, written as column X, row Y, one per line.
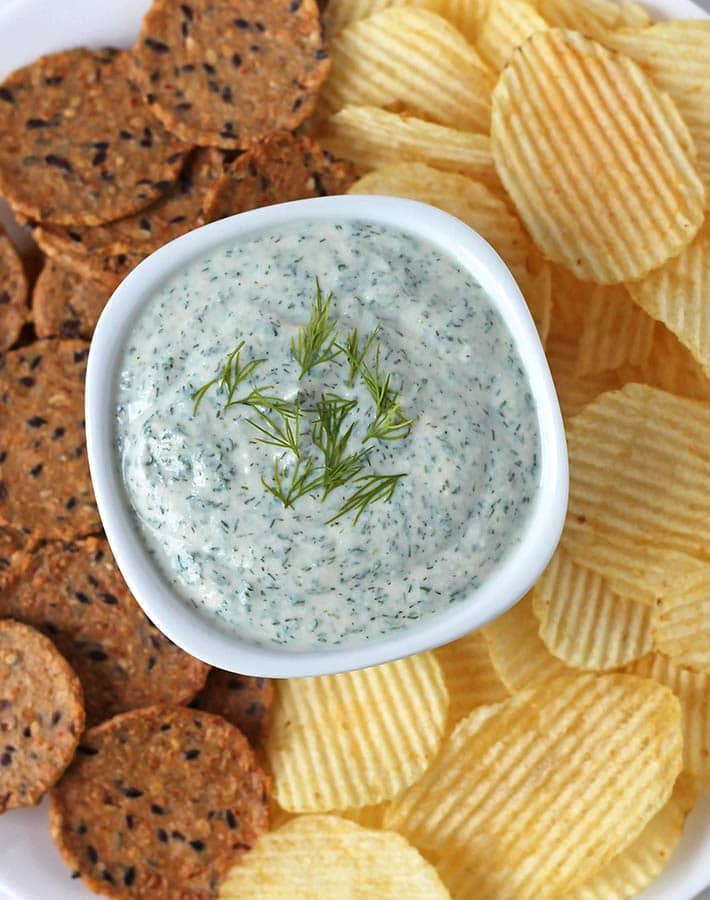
column 41, row 715
column 12, row 541
column 13, row 294
column 107, row 270
column 177, row 211
column 279, row 169
column 243, row 700
column 65, row 304
column 77, row 144
column 226, row 73
column 75, row 594
column 45, row 486
column 159, row 802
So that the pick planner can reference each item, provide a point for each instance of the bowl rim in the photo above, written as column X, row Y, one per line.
column 192, row 630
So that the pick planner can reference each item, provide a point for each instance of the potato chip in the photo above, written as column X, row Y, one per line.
column 643, row 860
column 575, row 391
column 468, row 200
column 366, row 816
column 681, row 622
column 633, row 15
column 679, row 295
column 693, row 691
column 594, row 18
column 640, row 474
column 611, row 194
column 546, row 790
column 328, row 857
column 410, row 60
column 508, row 24
column 518, row 654
column 465, row 15
column 373, row 138
column 470, row 677
column 358, row 738
column 676, row 55
column 537, row 290
column 672, row 368
column 615, row 331
column 583, row 622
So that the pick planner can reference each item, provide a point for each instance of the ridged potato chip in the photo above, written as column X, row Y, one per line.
column 357, row 738
column 693, row 691
column 673, row 368
column 677, row 57
column 610, row 194
column 583, row 622
column 678, row 294
column 644, row 860
column 465, row 15
column 326, row 857
column 595, row 18
column 615, row 331
column 373, row 138
column 640, row 473
column 470, row 676
column 366, row 816
column 506, row 26
column 681, row 622
column 517, row 652
column 410, row 60
column 548, row 789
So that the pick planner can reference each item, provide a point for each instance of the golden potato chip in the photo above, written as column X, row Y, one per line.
column 615, row 331
column 611, row 194
column 583, row 622
column 469, row 674
column 355, row 739
column 366, row 816
column 594, row 18
column 465, row 15
column 548, row 789
column 373, row 138
column 468, row 200
column 693, row 691
column 328, row 857
column 506, row 26
column 672, row 368
column 679, row 295
column 643, row 860
column 681, row 622
column 575, row 391
column 633, row 15
column 517, row 652
column 640, row 474
column 677, row 57
column 410, row 60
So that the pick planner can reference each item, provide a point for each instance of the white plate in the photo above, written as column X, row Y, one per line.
column 30, row 865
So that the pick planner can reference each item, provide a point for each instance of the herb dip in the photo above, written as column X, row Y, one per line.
column 277, row 575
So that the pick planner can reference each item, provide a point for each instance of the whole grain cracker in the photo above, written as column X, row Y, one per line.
column 159, row 802
column 12, row 541
column 107, row 270
column 41, row 714
column 227, row 73
column 65, row 304
column 281, row 168
column 13, row 294
column 75, row 594
column 45, row 486
column 77, row 143
column 177, row 211
column 243, row 700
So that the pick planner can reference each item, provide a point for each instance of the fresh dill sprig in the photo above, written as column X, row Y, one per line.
column 372, row 488
column 259, row 398
column 332, row 441
column 315, row 342
column 302, row 481
column 390, row 423
column 355, row 355
column 285, row 433
column 231, row 376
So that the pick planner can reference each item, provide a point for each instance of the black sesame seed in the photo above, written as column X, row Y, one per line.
column 129, row 876
column 71, row 503
column 92, row 854
column 162, row 835
column 36, row 470
column 156, row 46
column 199, row 846
column 87, row 750
column 192, row 754
column 130, row 822
column 108, row 599
column 242, row 24
column 7, row 95
column 58, row 433
column 236, row 60
column 231, row 819
column 82, row 597
column 132, row 792
column 156, row 809
column 99, row 656
column 58, row 162
column 295, row 5
column 5, row 759
column 36, row 422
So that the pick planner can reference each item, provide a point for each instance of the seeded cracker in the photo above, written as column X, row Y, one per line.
column 75, row 595
column 279, row 169
column 108, row 270
column 41, row 715
column 12, row 540
column 77, row 144
column 227, row 73
column 159, row 802
column 44, row 477
column 177, row 211
column 66, row 305
column 13, row 294
column 240, row 699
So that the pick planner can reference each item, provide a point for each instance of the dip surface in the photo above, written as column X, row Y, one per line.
column 278, row 575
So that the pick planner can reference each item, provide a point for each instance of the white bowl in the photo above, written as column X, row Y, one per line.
column 189, row 628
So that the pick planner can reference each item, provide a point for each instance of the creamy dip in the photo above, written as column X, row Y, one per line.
column 278, row 575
